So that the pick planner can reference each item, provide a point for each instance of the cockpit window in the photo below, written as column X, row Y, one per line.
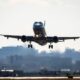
column 38, row 24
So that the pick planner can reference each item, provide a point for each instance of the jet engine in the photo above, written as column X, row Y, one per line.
column 23, row 39
column 55, row 39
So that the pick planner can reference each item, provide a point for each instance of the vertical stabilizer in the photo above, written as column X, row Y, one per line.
column 44, row 23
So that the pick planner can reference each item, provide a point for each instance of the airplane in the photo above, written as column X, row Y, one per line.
column 40, row 36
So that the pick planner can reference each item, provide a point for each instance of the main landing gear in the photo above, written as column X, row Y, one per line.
column 30, row 45
column 50, row 46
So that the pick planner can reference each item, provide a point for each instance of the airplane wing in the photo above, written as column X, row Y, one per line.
column 12, row 36
column 23, row 38
column 60, row 39
column 54, row 39
column 67, row 38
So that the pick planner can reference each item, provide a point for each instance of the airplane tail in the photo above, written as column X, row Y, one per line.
column 44, row 23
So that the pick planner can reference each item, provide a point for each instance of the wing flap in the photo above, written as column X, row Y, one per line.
column 12, row 36
column 60, row 39
column 68, row 38
column 23, row 37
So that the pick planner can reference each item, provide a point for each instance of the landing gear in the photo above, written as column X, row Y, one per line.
column 50, row 46
column 30, row 45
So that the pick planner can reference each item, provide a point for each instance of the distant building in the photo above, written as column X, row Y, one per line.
column 7, row 73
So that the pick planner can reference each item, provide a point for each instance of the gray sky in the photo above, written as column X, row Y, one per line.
column 62, row 19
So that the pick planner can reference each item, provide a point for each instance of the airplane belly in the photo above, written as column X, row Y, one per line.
column 41, row 42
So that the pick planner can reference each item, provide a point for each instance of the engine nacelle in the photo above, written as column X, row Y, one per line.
column 23, row 39
column 55, row 39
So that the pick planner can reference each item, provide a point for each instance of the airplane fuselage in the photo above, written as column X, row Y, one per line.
column 40, row 34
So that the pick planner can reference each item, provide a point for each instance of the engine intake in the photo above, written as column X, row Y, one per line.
column 55, row 39
column 23, row 39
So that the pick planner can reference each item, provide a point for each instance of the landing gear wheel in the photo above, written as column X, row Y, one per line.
column 30, row 46
column 50, row 46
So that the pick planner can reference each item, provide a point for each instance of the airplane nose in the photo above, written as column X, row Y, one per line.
column 38, row 25
column 37, row 28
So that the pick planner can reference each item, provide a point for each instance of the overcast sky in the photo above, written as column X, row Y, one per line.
column 62, row 19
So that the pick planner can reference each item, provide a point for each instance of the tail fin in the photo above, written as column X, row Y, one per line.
column 44, row 23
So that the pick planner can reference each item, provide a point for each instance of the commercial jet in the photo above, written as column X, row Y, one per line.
column 40, row 36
